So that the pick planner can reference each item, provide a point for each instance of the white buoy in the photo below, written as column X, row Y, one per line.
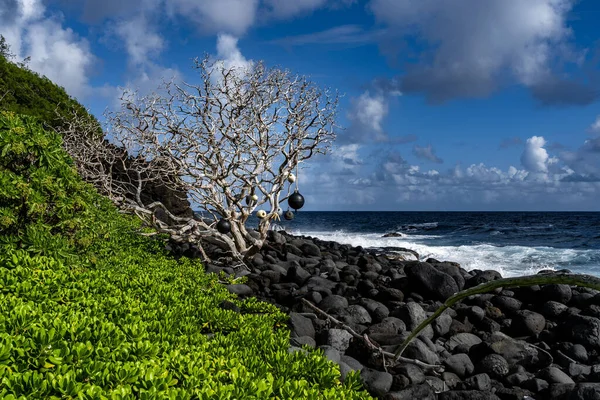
column 261, row 214
column 254, row 197
column 291, row 178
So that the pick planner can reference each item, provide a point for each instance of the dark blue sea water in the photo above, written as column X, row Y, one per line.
column 514, row 243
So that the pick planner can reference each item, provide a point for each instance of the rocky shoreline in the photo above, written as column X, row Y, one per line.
column 534, row 342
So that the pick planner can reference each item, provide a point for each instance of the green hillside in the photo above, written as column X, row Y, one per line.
column 25, row 92
column 88, row 308
column 91, row 309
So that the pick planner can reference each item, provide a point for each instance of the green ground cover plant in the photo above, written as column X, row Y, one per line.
column 90, row 309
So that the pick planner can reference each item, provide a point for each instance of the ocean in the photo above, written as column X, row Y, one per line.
column 513, row 243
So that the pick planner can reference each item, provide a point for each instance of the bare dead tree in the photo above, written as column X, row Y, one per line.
column 92, row 155
column 236, row 134
column 116, row 174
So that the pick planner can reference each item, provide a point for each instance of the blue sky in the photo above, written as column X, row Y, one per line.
column 448, row 105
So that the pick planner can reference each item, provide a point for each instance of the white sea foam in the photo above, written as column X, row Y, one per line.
column 508, row 260
column 417, row 227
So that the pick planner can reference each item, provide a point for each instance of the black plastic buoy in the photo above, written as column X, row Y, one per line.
column 251, row 199
column 224, row 226
column 296, row 200
column 288, row 215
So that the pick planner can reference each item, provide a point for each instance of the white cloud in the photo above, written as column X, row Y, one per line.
column 282, row 9
column 595, row 127
column 229, row 53
column 481, row 173
column 370, row 111
column 137, row 29
column 584, row 162
column 473, row 43
column 152, row 76
column 147, row 77
column 457, row 172
column 209, row 16
column 286, row 8
column 535, row 157
column 346, row 35
column 427, row 153
column 146, row 80
column 229, row 16
column 140, row 39
column 55, row 51
column 393, row 183
column 367, row 113
column 517, row 174
column 235, row 17
column 349, row 154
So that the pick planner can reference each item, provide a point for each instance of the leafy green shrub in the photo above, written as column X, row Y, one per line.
column 43, row 203
column 91, row 310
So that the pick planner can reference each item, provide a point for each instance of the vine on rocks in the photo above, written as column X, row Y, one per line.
column 587, row 281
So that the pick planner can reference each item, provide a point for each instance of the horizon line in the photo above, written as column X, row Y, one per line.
column 449, row 211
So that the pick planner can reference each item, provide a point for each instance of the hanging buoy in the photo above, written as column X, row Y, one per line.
column 251, row 199
column 279, row 211
column 224, row 226
column 296, row 200
column 288, row 215
column 261, row 214
column 291, row 178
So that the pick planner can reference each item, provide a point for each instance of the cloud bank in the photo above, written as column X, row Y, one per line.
column 470, row 48
column 566, row 180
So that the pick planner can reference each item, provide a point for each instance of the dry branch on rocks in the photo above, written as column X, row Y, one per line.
column 388, row 358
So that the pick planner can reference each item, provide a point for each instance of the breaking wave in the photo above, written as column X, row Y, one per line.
column 508, row 260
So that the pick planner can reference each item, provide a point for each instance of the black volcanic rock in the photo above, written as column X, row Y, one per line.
column 482, row 277
column 494, row 365
column 528, row 323
column 584, row 330
column 559, row 293
column 554, row 343
column 430, row 280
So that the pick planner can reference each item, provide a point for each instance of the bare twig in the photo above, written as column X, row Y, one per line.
column 391, row 357
column 4, row 95
column 376, row 349
column 561, row 354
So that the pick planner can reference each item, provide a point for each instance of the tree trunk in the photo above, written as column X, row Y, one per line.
column 263, row 227
column 238, row 232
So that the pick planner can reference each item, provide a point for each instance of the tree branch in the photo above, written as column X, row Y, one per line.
column 371, row 345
